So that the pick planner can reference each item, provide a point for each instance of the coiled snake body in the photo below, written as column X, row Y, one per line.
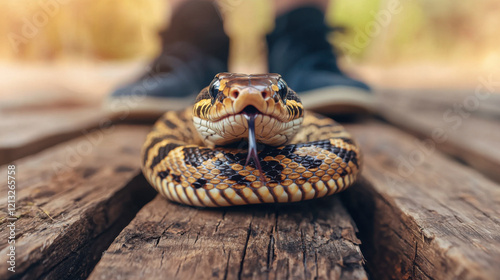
column 248, row 140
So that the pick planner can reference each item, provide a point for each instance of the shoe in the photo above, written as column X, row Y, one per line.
column 195, row 49
column 300, row 52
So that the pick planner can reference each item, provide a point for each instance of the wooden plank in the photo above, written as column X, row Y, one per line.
column 461, row 133
column 71, row 201
column 311, row 240
column 27, row 130
column 422, row 215
column 484, row 100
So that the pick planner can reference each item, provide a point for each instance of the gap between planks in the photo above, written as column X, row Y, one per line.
column 439, row 220
column 421, row 214
column 309, row 240
column 398, row 217
column 72, row 200
column 455, row 122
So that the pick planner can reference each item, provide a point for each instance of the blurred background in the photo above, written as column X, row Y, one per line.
column 82, row 49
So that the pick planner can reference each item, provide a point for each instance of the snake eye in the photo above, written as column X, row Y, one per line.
column 282, row 89
column 214, row 88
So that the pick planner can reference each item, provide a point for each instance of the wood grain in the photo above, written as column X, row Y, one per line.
column 483, row 101
column 422, row 215
column 464, row 134
column 72, row 200
column 26, row 131
column 311, row 240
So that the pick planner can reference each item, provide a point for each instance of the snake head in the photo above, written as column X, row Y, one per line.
column 221, row 110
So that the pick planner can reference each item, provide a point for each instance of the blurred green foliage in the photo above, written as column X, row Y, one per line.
column 421, row 29
column 349, row 16
column 376, row 31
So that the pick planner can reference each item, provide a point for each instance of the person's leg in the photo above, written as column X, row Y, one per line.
column 195, row 48
column 300, row 52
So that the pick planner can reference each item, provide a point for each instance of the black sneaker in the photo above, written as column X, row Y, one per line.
column 195, row 49
column 299, row 51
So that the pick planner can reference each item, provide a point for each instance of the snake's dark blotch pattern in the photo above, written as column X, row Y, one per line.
column 322, row 158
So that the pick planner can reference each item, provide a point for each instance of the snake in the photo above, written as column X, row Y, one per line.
column 248, row 140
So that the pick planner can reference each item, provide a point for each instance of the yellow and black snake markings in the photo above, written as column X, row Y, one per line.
column 321, row 160
column 217, row 115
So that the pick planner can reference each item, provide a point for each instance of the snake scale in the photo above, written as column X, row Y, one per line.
column 248, row 140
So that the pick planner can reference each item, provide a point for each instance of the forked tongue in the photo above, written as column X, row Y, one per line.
column 252, row 145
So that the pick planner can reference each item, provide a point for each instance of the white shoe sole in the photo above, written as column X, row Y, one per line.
column 329, row 100
column 338, row 100
column 144, row 108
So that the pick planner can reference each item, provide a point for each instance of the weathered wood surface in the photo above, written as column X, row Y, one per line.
column 29, row 130
column 422, row 215
column 462, row 133
column 72, row 200
column 311, row 240
column 484, row 100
